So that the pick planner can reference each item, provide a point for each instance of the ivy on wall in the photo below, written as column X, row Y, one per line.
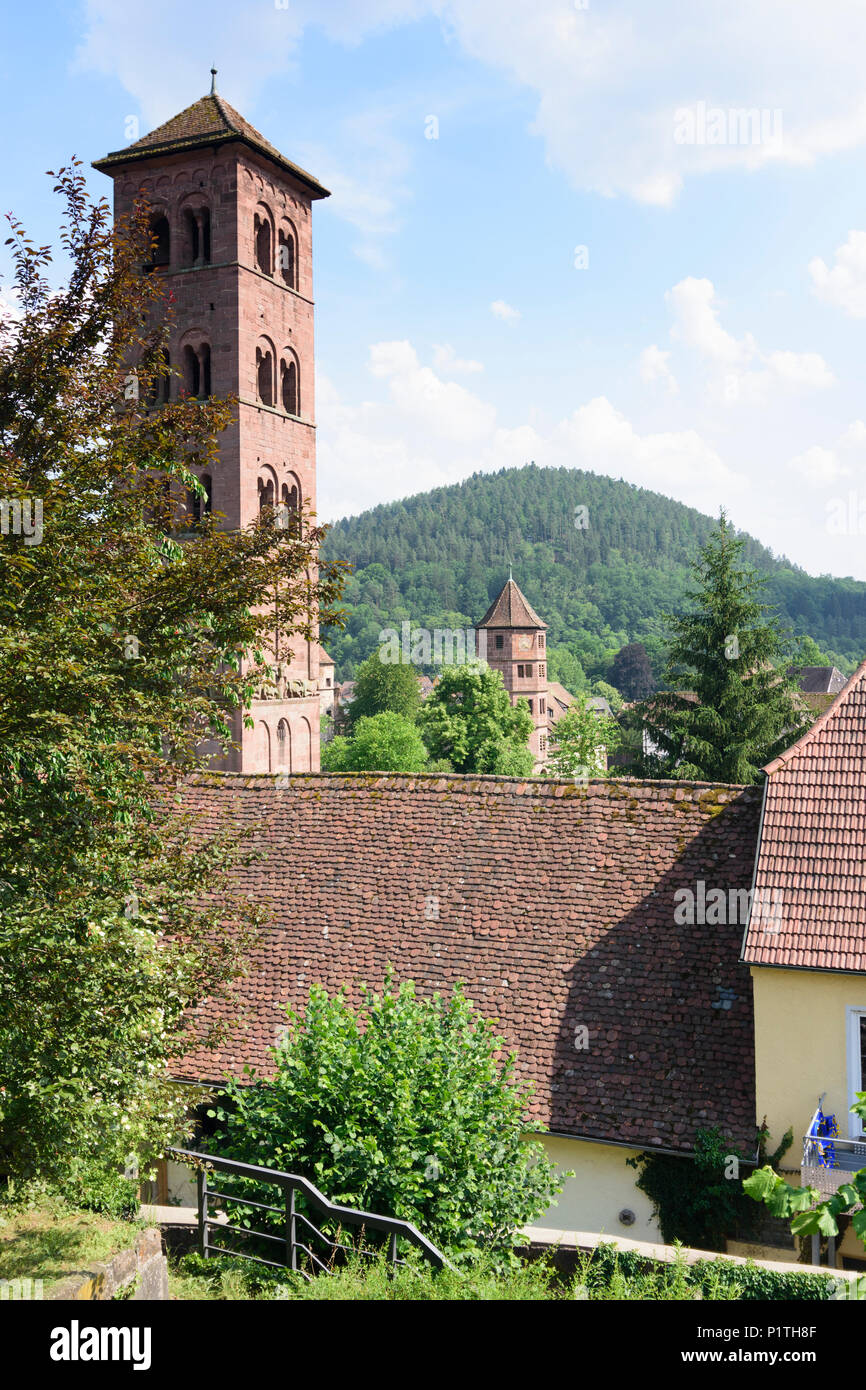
column 701, row 1202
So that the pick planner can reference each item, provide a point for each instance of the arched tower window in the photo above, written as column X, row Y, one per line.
column 267, row 493
column 265, row 373
column 197, row 505
column 160, row 385
column 263, row 236
column 284, row 746
column 289, row 386
column 196, row 236
column 288, row 257
column 196, row 370
column 160, row 241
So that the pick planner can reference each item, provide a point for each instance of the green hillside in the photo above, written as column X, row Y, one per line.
column 439, row 558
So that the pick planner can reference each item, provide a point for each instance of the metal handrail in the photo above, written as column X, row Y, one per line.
column 292, row 1184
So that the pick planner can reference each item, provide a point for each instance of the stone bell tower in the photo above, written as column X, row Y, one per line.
column 232, row 219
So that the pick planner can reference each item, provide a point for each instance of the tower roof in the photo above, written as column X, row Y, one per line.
column 511, row 609
column 209, row 121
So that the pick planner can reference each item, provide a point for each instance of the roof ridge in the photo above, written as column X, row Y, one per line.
column 518, row 785
column 823, row 719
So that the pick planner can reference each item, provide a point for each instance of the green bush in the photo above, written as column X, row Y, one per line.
column 406, row 1107
column 93, row 1187
column 610, row 1268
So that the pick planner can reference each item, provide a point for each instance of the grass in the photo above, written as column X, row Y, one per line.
column 53, row 1240
column 190, row 1277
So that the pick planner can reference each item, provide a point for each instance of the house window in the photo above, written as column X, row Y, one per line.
column 541, row 668
column 500, row 640
column 541, row 639
column 856, row 1066
column 542, row 743
column 541, row 707
column 530, row 707
column 520, row 673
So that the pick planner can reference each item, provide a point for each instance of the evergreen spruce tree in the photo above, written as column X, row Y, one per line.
column 732, row 655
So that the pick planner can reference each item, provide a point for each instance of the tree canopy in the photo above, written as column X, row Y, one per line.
column 385, row 742
column 128, row 634
column 382, row 685
column 469, row 720
column 735, row 708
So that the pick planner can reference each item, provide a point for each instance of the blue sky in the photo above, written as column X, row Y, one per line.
column 707, row 342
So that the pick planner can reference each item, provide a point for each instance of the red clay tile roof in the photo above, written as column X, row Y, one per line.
column 511, row 609
column 209, row 121
column 554, row 904
column 810, row 868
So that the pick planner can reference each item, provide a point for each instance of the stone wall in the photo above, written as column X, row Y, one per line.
column 137, row 1273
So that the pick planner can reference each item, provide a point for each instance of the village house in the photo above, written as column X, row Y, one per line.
column 808, row 963
column 555, row 905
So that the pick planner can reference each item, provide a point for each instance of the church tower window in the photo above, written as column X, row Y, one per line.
column 289, row 386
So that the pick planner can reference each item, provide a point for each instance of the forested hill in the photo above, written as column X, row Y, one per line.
column 439, row 559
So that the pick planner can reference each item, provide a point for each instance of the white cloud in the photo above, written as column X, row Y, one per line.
column 696, row 324
column 819, row 466
column 445, row 360
column 428, row 432
column 609, row 80
column 501, row 310
column 738, row 370
column 855, row 436
column 654, row 367
column 843, row 286
column 443, row 408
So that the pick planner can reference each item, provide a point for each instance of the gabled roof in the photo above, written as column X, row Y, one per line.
column 209, row 121
column 511, row 609
column 324, row 659
column 819, row 680
column 553, row 903
column 811, row 867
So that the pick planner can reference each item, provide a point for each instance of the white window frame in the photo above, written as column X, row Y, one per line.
column 856, row 1080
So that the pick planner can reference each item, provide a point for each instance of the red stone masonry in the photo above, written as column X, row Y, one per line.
column 553, row 903
column 209, row 164
column 811, row 868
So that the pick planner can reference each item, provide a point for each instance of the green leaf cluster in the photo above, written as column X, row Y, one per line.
column 403, row 1106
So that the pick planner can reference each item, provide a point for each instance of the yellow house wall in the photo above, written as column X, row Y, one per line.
column 801, row 1051
column 801, row 1048
column 601, row 1188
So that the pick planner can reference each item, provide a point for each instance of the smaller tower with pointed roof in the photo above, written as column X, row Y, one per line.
column 511, row 637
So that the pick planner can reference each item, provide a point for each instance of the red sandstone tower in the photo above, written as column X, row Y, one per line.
column 233, row 221
column 516, row 646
